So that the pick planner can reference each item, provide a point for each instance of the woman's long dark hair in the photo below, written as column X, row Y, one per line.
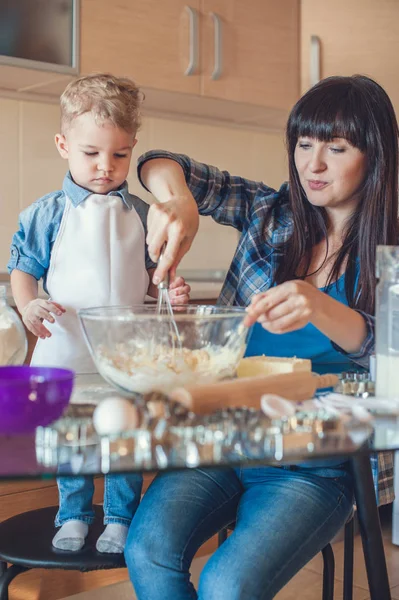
column 359, row 110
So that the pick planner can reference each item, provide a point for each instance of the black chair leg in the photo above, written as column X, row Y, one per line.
column 7, row 577
column 348, row 560
column 328, row 573
column 222, row 537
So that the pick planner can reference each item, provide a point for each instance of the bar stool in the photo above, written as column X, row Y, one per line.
column 25, row 543
column 328, row 562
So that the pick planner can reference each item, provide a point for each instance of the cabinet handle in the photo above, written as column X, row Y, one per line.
column 315, row 67
column 217, row 71
column 193, row 60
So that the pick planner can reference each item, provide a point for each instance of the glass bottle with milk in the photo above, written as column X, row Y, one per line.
column 13, row 342
column 387, row 322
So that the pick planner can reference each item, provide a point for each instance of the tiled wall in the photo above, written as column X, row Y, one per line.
column 30, row 167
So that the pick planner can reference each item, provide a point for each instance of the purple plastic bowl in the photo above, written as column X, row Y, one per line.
column 32, row 396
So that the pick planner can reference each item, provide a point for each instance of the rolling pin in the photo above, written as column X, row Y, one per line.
column 234, row 393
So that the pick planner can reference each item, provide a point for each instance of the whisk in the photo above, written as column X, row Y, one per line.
column 164, row 307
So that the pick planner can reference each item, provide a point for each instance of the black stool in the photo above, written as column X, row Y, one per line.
column 328, row 562
column 25, row 543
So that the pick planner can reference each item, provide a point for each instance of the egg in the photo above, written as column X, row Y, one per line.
column 114, row 415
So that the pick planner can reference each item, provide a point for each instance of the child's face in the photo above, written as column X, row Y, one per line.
column 98, row 155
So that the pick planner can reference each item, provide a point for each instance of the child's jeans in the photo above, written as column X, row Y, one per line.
column 121, row 498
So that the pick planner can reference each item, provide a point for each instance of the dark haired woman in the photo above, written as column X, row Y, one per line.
column 304, row 267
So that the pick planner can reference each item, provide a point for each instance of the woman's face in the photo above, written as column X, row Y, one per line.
column 331, row 173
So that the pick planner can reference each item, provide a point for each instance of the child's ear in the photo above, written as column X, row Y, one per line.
column 134, row 143
column 62, row 145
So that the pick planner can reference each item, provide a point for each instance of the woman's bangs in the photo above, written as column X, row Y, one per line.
column 327, row 121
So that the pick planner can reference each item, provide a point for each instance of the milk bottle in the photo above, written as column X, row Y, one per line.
column 387, row 322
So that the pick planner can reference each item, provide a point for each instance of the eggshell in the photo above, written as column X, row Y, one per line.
column 114, row 415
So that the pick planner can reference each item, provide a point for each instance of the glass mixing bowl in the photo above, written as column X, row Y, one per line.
column 138, row 351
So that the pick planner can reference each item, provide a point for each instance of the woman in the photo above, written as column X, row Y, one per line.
column 304, row 267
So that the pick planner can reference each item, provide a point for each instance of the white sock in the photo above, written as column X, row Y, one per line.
column 113, row 539
column 71, row 536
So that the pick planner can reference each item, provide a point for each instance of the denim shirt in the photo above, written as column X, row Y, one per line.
column 39, row 224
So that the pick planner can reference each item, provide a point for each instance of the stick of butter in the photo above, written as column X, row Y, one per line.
column 271, row 365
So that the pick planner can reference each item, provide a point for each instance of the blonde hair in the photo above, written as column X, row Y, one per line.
column 116, row 99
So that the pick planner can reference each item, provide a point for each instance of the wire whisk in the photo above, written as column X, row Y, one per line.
column 164, row 307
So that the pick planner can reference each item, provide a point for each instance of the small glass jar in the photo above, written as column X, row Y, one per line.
column 13, row 340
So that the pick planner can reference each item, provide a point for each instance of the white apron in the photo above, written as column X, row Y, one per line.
column 98, row 259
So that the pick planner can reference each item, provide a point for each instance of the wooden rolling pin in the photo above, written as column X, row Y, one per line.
column 204, row 399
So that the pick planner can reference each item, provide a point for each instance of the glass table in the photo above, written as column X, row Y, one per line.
column 174, row 439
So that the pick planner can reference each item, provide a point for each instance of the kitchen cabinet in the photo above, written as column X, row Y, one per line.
column 356, row 37
column 234, row 62
column 259, row 50
column 244, row 51
column 39, row 45
column 146, row 40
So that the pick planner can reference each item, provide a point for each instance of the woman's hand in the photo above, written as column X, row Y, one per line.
column 286, row 307
column 174, row 220
column 174, row 223
column 179, row 292
column 37, row 311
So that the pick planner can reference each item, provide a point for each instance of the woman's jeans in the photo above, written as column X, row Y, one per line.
column 121, row 498
column 284, row 517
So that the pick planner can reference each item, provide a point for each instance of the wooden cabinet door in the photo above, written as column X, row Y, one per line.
column 260, row 51
column 356, row 37
column 147, row 40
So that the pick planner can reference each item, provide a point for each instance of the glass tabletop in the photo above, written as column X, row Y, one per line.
column 44, row 454
column 176, row 439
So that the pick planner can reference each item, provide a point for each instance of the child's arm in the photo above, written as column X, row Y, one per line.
column 33, row 310
column 179, row 290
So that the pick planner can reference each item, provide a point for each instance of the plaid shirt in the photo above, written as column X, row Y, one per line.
column 264, row 218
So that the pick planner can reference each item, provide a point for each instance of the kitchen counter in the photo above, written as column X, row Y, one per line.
column 205, row 284
column 199, row 291
column 203, row 275
column 205, row 290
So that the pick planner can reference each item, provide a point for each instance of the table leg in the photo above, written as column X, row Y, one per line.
column 370, row 529
column 395, row 505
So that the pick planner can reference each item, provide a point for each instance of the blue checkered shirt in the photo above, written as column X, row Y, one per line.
column 263, row 217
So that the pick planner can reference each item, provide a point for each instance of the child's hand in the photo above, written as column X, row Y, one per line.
column 179, row 292
column 37, row 311
column 285, row 307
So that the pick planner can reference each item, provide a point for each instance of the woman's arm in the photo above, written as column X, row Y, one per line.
column 174, row 221
column 342, row 325
column 293, row 304
column 225, row 197
column 185, row 187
